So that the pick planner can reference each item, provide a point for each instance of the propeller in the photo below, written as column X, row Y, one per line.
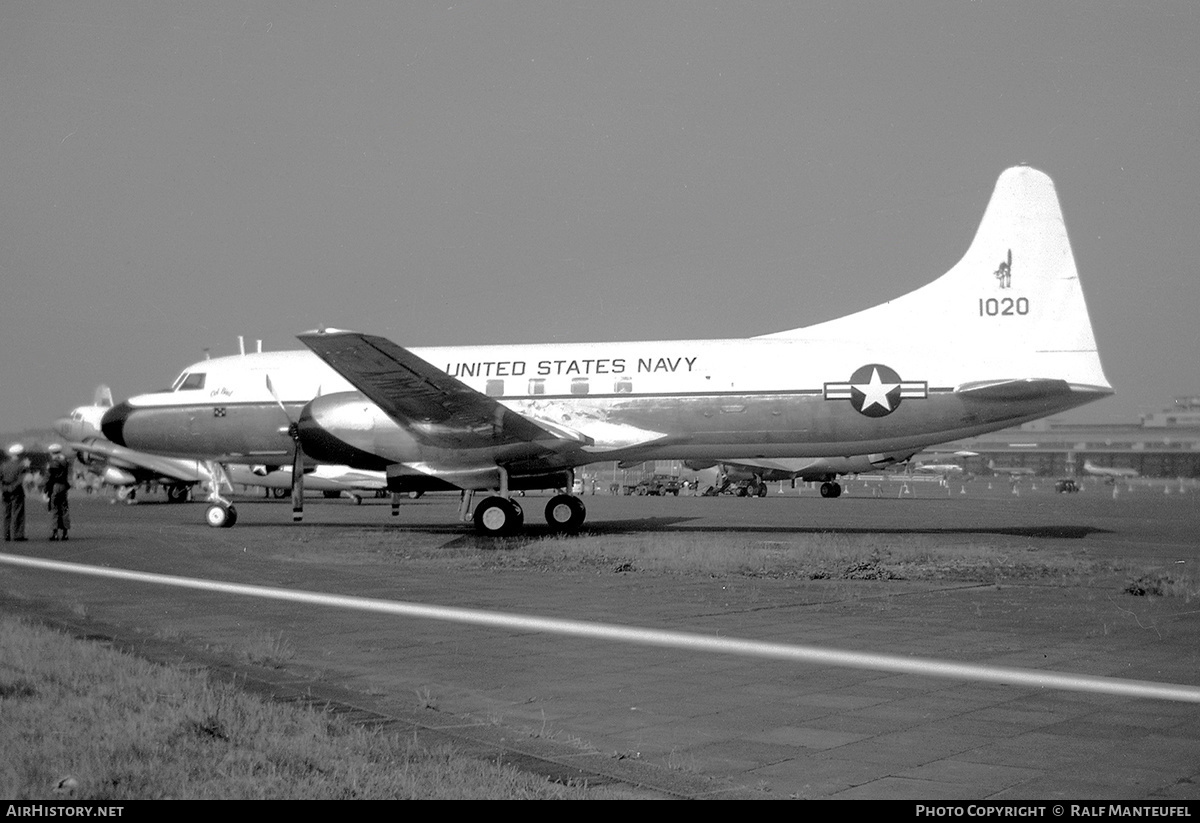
column 297, row 458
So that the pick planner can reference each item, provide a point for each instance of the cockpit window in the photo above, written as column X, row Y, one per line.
column 190, row 382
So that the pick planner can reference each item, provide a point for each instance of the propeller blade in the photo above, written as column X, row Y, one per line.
column 297, row 484
column 297, row 458
column 278, row 402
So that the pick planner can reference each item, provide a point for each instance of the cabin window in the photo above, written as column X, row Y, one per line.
column 537, row 385
column 495, row 388
column 624, row 385
column 579, row 385
column 191, row 382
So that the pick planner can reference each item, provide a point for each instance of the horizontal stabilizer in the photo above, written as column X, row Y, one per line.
column 1025, row 389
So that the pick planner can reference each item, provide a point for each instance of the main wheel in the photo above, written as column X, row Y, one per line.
column 565, row 513
column 498, row 517
column 827, row 490
column 220, row 517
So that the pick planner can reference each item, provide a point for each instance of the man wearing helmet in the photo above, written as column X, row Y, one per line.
column 58, row 483
column 12, row 479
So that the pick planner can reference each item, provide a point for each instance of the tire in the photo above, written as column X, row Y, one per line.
column 565, row 513
column 220, row 517
column 498, row 517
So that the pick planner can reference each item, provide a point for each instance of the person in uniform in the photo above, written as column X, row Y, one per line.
column 58, row 483
column 12, row 479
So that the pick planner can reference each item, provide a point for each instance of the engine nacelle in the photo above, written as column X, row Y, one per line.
column 117, row 477
column 345, row 428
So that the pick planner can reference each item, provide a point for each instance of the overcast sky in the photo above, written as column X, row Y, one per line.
column 176, row 174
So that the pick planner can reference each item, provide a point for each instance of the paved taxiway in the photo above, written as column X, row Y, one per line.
column 714, row 722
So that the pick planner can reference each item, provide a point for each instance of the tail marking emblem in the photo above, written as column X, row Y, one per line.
column 1003, row 272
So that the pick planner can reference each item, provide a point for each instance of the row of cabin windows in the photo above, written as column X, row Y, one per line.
column 537, row 385
column 495, row 386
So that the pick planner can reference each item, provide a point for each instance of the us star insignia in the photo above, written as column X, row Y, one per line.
column 876, row 390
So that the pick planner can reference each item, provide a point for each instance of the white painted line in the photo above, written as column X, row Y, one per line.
column 654, row 637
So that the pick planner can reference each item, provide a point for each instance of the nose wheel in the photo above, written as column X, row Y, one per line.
column 220, row 516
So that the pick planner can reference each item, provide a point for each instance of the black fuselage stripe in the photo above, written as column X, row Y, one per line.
column 513, row 397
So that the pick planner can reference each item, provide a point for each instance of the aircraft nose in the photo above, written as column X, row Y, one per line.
column 62, row 426
column 112, row 425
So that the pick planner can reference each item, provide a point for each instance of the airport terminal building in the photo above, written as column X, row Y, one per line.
column 1162, row 444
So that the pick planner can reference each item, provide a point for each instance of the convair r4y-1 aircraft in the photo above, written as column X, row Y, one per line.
column 496, row 419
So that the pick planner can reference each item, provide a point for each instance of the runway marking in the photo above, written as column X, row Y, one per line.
column 654, row 637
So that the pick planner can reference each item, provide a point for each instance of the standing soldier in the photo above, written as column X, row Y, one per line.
column 58, row 483
column 12, row 478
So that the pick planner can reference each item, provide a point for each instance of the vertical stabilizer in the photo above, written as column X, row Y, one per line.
column 1012, row 306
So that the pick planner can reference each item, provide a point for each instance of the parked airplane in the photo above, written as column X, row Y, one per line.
column 753, row 475
column 126, row 469
column 1012, row 471
column 504, row 418
column 937, row 468
column 123, row 467
column 332, row 481
column 1110, row 473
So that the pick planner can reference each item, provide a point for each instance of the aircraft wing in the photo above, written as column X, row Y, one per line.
column 438, row 409
column 170, row 468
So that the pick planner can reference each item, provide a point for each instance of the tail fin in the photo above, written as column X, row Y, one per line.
column 1012, row 306
column 102, row 397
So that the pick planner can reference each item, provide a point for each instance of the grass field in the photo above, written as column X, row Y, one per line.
column 81, row 721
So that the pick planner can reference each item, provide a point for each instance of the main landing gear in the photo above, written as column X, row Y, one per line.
column 498, row 516
column 831, row 489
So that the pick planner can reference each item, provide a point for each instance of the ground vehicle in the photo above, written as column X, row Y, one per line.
column 656, row 485
column 1066, row 486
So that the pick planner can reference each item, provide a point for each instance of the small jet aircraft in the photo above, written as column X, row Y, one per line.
column 499, row 419
column 1110, row 473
